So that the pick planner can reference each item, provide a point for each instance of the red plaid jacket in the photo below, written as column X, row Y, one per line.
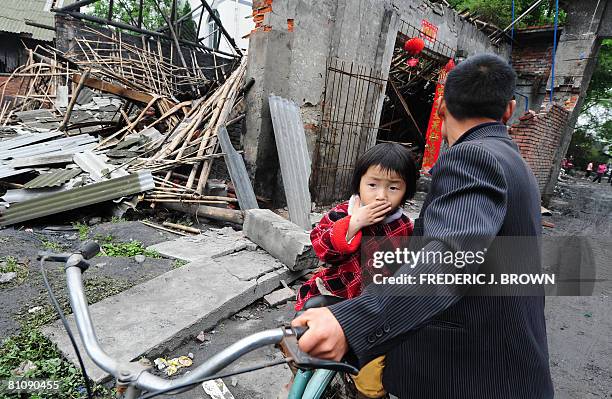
column 343, row 274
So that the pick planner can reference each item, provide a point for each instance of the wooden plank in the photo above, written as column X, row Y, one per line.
column 111, row 88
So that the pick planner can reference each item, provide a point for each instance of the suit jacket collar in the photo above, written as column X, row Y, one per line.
column 488, row 129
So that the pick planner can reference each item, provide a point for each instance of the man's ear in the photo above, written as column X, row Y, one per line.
column 509, row 111
column 442, row 109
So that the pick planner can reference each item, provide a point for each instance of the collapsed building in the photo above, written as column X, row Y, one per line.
column 211, row 131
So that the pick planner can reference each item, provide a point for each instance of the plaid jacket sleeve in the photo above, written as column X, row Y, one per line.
column 329, row 237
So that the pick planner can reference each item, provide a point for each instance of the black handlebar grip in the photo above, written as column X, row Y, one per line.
column 89, row 249
column 299, row 331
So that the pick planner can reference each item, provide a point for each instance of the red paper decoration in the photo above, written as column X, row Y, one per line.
column 412, row 62
column 414, row 46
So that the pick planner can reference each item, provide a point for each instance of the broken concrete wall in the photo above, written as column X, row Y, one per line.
column 289, row 50
column 537, row 136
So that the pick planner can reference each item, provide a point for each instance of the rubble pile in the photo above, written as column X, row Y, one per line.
column 111, row 121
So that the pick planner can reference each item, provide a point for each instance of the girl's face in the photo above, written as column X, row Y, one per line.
column 381, row 185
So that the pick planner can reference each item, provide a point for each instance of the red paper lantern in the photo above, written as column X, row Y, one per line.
column 412, row 62
column 414, row 46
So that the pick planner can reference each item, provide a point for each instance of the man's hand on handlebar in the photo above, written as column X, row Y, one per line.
column 325, row 338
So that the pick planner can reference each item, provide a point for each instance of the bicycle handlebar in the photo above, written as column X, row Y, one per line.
column 132, row 372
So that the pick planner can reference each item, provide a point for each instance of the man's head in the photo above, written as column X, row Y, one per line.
column 478, row 90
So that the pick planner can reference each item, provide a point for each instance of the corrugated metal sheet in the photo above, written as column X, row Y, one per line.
column 27, row 139
column 293, row 156
column 77, row 198
column 49, row 146
column 96, row 166
column 20, row 194
column 6, row 171
column 14, row 13
column 238, row 172
column 42, row 160
column 53, row 179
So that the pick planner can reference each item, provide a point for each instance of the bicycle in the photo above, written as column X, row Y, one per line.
column 321, row 383
column 132, row 378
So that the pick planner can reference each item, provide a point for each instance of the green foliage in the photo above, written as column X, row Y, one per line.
column 31, row 345
column 51, row 245
column 11, row 264
column 188, row 27
column 83, row 230
column 585, row 148
column 116, row 219
column 126, row 249
column 600, row 86
column 179, row 263
column 127, row 11
column 594, row 130
column 499, row 12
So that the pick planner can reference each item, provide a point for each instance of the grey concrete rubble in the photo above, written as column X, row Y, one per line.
column 7, row 277
column 284, row 240
column 279, row 297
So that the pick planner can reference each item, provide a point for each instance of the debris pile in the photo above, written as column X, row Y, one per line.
column 109, row 120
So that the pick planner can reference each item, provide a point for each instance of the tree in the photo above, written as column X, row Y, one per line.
column 127, row 11
column 593, row 133
column 188, row 27
column 499, row 12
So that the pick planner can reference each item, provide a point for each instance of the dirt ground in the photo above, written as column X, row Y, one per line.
column 26, row 297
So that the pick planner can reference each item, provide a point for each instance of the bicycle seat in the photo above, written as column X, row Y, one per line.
column 321, row 301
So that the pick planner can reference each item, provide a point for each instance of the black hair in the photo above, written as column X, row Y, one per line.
column 390, row 157
column 480, row 87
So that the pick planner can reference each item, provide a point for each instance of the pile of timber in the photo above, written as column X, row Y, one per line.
column 124, row 99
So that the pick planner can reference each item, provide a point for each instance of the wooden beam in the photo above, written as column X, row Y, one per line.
column 111, row 88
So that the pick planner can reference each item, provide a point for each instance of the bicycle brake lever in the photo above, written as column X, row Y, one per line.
column 303, row 360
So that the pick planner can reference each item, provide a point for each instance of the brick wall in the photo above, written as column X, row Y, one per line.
column 11, row 88
column 260, row 9
column 261, row 13
column 538, row 136
column 535, row 60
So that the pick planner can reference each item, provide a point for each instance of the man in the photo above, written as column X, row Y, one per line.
column 445, row 342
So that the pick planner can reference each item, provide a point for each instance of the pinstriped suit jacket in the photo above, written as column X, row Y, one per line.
column 449, row 343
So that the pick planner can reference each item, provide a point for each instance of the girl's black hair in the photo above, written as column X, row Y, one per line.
column 390, row 157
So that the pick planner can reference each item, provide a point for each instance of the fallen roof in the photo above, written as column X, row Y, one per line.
column 15, row 13
column 77, row 198
column 53, row 179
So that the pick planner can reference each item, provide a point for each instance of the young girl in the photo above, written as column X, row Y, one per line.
column 372, row 220
column 383, row 179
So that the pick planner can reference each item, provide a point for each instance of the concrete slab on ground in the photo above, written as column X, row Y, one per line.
column 162, row 312
column 209, row 244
